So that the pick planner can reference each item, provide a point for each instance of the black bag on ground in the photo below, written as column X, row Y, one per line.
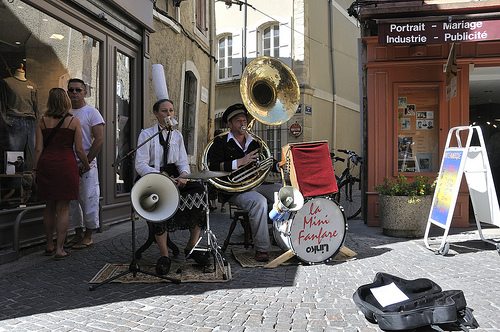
column 427, row 305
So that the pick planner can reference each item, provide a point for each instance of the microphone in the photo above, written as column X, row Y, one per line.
column 169, row 122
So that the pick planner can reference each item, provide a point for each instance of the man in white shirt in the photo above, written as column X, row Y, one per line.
column 84, row 213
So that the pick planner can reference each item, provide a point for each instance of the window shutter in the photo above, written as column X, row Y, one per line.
column 286, row 42
column 237, row 54
column 252, row 51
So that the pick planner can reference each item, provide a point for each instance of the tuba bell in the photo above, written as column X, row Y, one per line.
column 270, row 92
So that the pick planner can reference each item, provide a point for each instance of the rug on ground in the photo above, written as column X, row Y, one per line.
column 185, row 272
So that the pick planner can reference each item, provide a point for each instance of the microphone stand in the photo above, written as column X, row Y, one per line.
column 167, row 127
column 134, row 266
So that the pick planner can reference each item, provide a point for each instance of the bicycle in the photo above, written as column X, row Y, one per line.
column 349, row 185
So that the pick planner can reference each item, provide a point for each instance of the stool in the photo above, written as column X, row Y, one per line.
column 151, row 239
column 242, row 216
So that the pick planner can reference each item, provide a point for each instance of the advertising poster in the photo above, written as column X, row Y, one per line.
column 447, row 187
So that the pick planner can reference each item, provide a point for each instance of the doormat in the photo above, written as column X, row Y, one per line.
column 246, row 257
column 184, row 272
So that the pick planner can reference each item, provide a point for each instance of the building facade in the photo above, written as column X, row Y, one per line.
column 318, row 41
column 410, row 104
column 112, row 46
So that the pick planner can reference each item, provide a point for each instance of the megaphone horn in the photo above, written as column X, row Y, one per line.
column 148, row 202
column 287, row 199
column 155, row 197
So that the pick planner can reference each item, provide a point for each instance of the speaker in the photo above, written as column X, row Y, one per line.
column 287, row 199
column 155, row 197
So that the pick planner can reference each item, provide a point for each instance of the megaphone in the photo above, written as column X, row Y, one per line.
column 287, row 199
column 155, row 197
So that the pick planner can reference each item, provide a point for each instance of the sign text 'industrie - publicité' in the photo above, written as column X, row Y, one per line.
column 438, row 32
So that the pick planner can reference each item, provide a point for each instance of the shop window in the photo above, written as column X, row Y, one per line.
column 189, row 112
column 417, row 128
column 225, row 59
column 38, row 52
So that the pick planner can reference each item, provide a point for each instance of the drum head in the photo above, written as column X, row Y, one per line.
column 318, row 230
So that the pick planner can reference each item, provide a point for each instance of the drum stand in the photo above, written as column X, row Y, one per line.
column 134, row 266
column 212, row 246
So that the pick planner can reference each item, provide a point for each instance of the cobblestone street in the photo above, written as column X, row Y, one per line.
column 40, row 294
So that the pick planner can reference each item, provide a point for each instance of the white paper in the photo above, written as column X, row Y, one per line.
column 388, row 294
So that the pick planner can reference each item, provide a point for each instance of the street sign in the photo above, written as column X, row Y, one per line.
column 295, row 129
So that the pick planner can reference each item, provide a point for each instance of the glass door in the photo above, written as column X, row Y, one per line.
column 124, row 169
column 124, row 103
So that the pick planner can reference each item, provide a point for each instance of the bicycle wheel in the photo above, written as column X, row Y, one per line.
column 349, row 197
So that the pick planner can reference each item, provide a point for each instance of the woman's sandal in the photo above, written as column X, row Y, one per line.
column 58, row 258
column 49, row 252
column 71, row 243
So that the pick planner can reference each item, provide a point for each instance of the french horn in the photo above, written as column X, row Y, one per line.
column 271, row 94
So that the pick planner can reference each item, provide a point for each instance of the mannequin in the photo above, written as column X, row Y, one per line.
column 20, row 74
column 19, row 108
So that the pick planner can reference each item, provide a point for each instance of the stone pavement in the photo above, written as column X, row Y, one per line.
column 40, row 294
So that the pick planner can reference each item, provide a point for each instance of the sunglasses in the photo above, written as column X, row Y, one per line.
column 77, row 90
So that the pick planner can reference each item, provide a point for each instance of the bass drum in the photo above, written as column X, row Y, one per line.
column 315, row 233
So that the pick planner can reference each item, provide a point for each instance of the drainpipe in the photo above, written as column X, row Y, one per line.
column 332, row 60
column 244, row 39
column 211, row 104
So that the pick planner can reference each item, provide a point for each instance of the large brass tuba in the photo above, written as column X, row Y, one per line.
column 270, row 92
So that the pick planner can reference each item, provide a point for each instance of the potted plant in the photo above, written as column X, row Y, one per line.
column 404, row 206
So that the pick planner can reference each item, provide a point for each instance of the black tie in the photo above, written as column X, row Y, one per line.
column 166, row 145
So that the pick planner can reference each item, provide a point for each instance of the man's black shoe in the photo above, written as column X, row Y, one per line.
column 163, row 265
column 261, row 256
column 199, row 257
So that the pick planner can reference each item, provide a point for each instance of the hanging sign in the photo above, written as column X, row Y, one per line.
column 451, row 74
column 295, row 129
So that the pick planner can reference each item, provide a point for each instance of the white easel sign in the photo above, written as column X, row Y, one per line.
column 473, row 162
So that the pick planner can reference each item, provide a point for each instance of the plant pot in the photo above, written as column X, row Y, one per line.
column 398, row 218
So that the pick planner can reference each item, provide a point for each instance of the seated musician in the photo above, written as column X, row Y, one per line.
column 166, row 153
column 232, row 150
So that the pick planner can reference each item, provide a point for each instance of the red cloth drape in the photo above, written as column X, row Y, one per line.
column 313, row 169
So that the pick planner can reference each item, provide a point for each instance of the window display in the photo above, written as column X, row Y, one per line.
column 418, row 108
column 37, row 53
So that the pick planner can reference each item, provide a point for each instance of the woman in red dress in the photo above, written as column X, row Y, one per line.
column 56, row 170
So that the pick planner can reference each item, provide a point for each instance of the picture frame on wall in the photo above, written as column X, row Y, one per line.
column 14, row 162
column 405, row 147
column 424, row 161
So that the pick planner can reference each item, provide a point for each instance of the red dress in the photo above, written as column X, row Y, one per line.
column 57, row 171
